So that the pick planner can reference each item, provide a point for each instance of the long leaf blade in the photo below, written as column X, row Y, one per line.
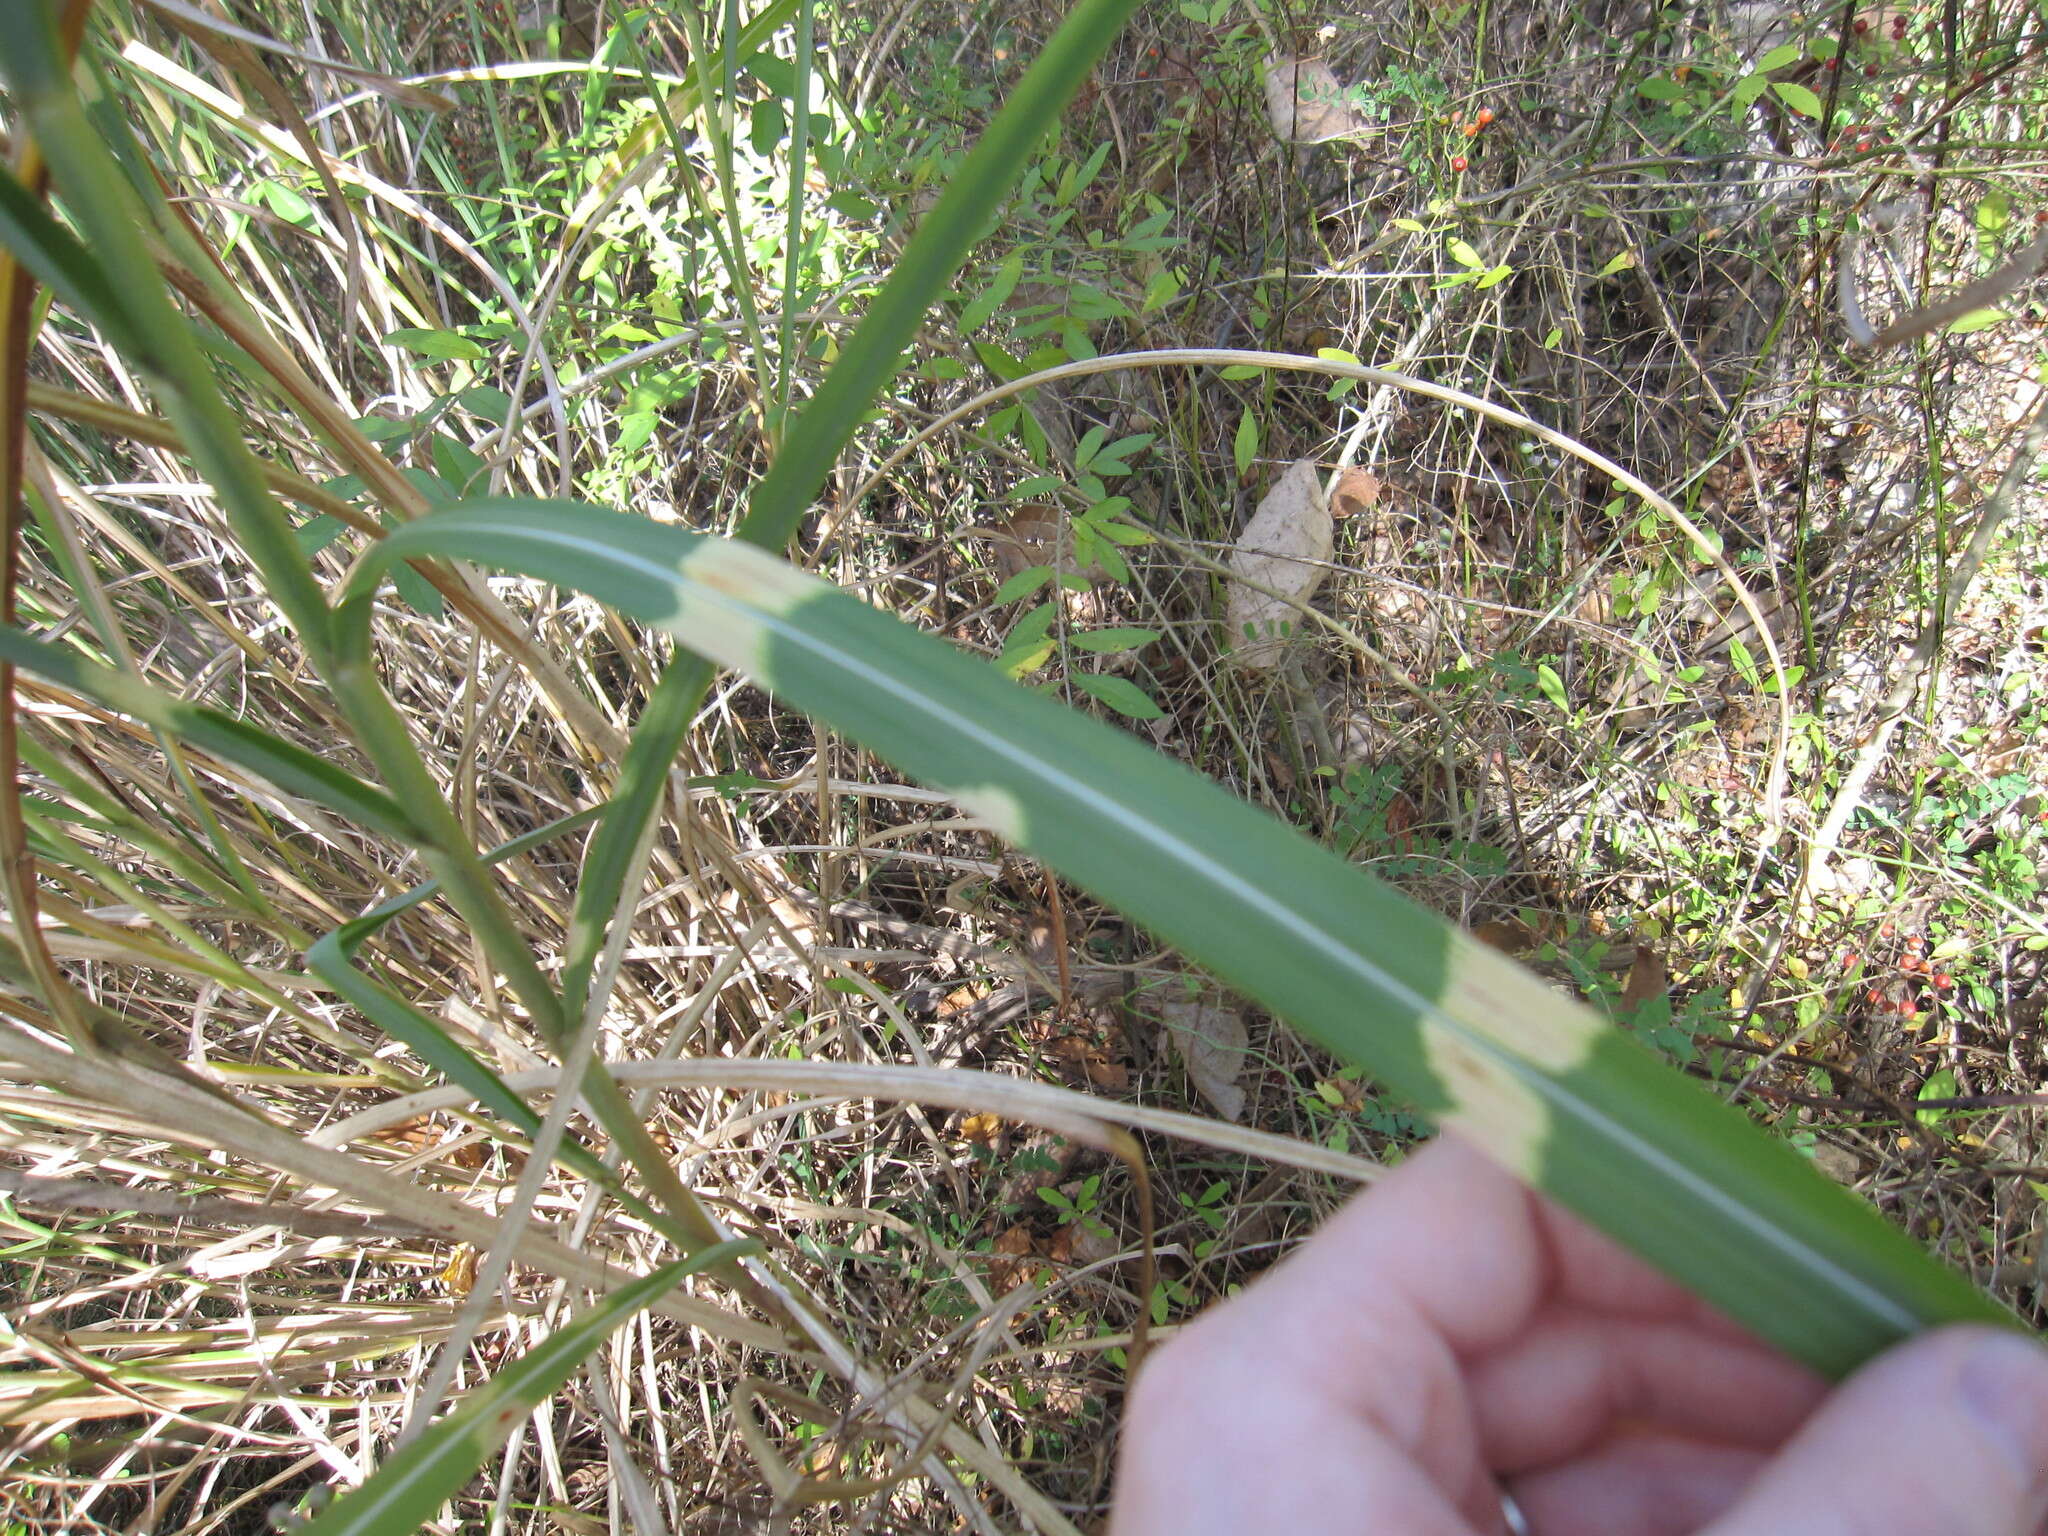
column 1471, row 1039
column 404, row 1493
column 291, row 768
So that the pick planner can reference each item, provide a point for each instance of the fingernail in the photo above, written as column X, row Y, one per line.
column 2004, row 1384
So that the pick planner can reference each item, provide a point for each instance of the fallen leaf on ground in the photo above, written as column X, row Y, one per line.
column 1507, row 935
column 1015, row 1264
column 1285, row 549
column 1211, row 1041
column 1648, row 977
column 982, row 1129
column 1356, row 491
column 460, row 1275
column 1305, row 103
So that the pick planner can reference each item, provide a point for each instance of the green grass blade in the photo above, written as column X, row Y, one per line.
column 292, row 769
column 128, row 301
column 404, row 1493
column 1473, row 1040
column 418, row 1032
column 871, row 357
column 962, row 214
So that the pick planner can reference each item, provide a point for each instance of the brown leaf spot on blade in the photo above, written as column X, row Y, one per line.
column 1493, row 1108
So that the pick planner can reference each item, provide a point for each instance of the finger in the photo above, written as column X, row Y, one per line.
column 1215, row 1446
column 1562, row 1387
column 1946, row 1434
column 1636, row 1485
column 1361, row 1328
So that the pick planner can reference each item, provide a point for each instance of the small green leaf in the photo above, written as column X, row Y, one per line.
column 1977, row 320
column 1245, row 446
column 993, row 297
column 1659, row 89
column 1779, row 57
column 1240, row 371
column 1497, row 275
column 1798, row 98
column 319, row 531
column 1939, row 1085
column 1023, row 584
column 1747, row 89
column 1462, row 253
column 1109, row 641
column 1619, row 262
column 1120, row 694
column 1551, row 686
column 443, row 344
column 851, row 205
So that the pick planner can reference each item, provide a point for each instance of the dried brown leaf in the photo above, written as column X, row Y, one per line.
column 1356, row 492
column 1211, row 1040
column 1305, row 103
column 1648, row 977
column 982, row 1129
column 1285, row 549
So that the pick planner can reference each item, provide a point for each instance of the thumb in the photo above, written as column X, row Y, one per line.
column 1947, row 1433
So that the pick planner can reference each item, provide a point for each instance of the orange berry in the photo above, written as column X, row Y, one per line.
column 1471, row 130
column 1885, row 930
column 1485, row 116
column 1872, row 996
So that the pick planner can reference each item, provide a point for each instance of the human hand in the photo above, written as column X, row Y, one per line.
column 1449, row 1336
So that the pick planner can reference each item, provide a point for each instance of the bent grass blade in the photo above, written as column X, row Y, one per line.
column 1472, row 1040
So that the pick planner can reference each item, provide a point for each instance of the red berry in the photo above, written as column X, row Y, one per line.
column 1872, row 995
column 1908, row 1008
column 1862, row 26
column 1870, row 71
column 1458, row 162
column 1909, row 963
column 1976, row 77
column 1850, row 959
column 1830, row 65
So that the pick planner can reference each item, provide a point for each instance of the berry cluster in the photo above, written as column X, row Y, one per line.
column 1914, row 981
column 1468, row 127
